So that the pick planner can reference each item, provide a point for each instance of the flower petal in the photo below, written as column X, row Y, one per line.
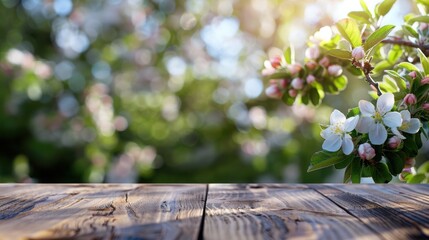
column 392, row 119
column 267, row 64
column 337, row 116
column 406, row 115
column 366, row 108
column 413, row 126
column 365, row 124
column 332, row 143
column 397, row 133
column 326, row 132
column 385, row 103
column 351, row 123
column 347, row 145
column 378, row 134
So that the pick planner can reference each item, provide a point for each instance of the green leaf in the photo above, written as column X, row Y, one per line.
column 424, row 168
column 409, row 66
column 347, row 174
column 344, row 163
column 365, row 7
column 353, row 112
column 380, row 173
column 349, row 29
column 410, row 145
column 340, row 82
column 400, row 81
column 424, row 2
column 314, row 96
column 366, row 171
column 289, row 55
column 395, row 162
column 305, row 99
column 384, row 7
column 394, row 54
column 278, row 75
column 381, row 66
column 356, row 170
column 377, row 36
column 388, row 85
column 418, row 178
column 410, row 31
column 288, row 99
column 323, row 159
column 424, row 61
column 361, row 16
column 424, row 19
column 338, row 53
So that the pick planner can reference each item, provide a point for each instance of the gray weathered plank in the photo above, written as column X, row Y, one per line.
column 101, row 211
column 387, row 214
column 277, row 212
column 393, row 197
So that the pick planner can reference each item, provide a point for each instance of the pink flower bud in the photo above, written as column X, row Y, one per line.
column 412, row 74
column 294, row 68
column 394, row 142
column 335, row 70
column 324, row 62
column 366, row 152
column 410, row 99
column 292, row 92
column 410, row 161
column 310, row 79
column 312, row 52
column 268, row 71
column 358, row 53
column 311, row 65
column 273, row 91
column 423, row 26
column 405, row 172
column 425, row 106
column 284, row 83
column 276, row 61
column 425, row 81
column 297, row 83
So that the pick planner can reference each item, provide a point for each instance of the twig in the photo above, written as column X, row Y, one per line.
column 366, row 67
column 373, row 83
column 401, row 42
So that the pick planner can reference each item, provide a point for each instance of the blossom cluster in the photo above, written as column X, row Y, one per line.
column 377, row 140
column 377, row 122
column 320, row 73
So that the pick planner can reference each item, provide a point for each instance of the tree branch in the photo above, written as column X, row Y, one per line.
column 401, row 42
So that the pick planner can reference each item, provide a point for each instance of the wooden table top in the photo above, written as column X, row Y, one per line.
column 214, row 211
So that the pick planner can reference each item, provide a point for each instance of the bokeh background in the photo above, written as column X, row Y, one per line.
column 159, row 90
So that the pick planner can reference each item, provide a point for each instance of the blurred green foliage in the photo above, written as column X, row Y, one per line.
column 151, row 91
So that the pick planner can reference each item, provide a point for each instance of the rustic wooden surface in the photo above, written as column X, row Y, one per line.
column 214, row 211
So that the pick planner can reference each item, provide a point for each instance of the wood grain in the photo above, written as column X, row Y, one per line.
column 384, row 214
column 226, row 211
column 101, row 211
column 396, row 199
column 277, row 212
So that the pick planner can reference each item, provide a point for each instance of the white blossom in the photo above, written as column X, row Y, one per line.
column 409, row 125
column 374, row 121
column 337, row 134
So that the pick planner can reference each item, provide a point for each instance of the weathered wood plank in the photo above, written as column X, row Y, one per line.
column 277, row 212
column 387, row 214
column 101, row 211
column 392, row 197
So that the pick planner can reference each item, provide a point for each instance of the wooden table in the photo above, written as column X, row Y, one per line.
column 214, row 211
